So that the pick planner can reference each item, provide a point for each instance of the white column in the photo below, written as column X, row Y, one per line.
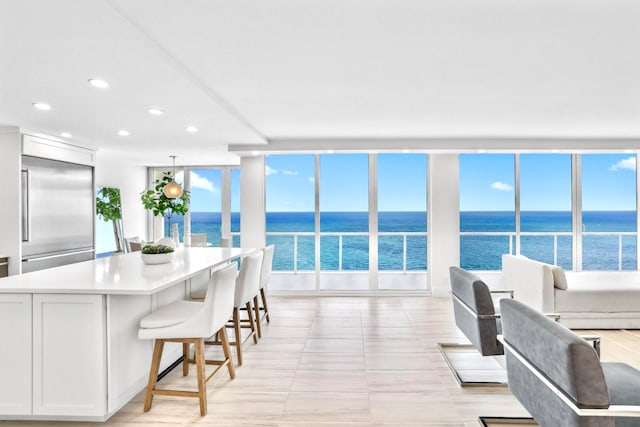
column 252, row 202
column 444, row 221
column 10, row 209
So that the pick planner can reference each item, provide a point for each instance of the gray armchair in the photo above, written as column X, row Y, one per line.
column 557, row 375
column 476, row 316
column 474, row 311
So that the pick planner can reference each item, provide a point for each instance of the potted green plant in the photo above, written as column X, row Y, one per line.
column 160, row 205
column 157, row 254
column 109, row 208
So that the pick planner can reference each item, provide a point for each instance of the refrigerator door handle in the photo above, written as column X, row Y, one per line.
column 41, row 258
column 26, row 205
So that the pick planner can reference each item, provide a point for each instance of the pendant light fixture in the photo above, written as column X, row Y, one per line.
column 173, row 190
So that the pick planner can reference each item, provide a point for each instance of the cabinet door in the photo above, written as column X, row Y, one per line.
column 69, row 355
column 15, row 356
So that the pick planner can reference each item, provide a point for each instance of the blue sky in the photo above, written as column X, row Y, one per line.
column 608, row 182
column 487, row 180
column 486, row 183
column 344, row 182
column 206, row 187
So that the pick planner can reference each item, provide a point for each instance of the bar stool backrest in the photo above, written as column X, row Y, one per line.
column 220, row 296
column 248, row 281
column 267, row 265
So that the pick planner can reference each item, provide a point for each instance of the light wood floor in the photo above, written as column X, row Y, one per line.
column 345, row 361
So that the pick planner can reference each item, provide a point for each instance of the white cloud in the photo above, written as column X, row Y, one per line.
column 286, row 172
column 203, row 183
column 628, row 163
column 268, row 170
column 501, row 186
column 311, row 179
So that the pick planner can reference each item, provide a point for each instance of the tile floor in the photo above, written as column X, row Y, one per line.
column 344, row 361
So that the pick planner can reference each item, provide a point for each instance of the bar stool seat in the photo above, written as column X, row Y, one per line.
column 168, row 315
column 191, row 322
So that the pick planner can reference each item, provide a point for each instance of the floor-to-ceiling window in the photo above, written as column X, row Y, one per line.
column 209, row 190
column 235, row 207
column 608, row 211
column 320, row 207
column 290, row 210
column 205, row 206
column 574, row 210
column 545, row 208
column 173, row 224
column 487, row 210
column 344, row 216
column 402, row 216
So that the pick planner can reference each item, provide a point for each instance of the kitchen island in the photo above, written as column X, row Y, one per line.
column 70, row 348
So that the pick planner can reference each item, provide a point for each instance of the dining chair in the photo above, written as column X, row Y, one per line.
column 192, row 322
column 167, row 241
column 198, row 239
column 132, row 244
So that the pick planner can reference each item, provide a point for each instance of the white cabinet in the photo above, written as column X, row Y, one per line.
column 69, row 335
column 130, row 357
column 15, row 356
column 69, row 348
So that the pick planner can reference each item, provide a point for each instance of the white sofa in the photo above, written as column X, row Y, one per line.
column 584, row 300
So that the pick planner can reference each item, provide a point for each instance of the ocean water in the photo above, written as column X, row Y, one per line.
column 600, row 252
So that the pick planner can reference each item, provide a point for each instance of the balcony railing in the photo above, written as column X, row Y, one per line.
column 508, row 234
column 511, row 235
column 341, row 236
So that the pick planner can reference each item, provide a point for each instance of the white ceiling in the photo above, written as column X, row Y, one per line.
column 251, row 72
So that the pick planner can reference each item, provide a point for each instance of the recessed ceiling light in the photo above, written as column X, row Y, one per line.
column 405, row 151
column 192, row 129
column 330, row 151
column 123, row 132
column 155, row 111
column 65, row 135
column 42, row 106
column 100, row 84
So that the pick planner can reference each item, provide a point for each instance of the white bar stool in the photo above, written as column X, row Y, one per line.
column 191, row 322
column 265, row 276
column 247, row 285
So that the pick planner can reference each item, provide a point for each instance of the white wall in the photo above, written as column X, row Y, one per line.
column 116, row 171
column 10, row 149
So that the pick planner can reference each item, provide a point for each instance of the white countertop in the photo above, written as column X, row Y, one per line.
column 124, row 274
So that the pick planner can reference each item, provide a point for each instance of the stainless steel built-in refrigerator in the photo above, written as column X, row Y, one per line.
column 57, row 213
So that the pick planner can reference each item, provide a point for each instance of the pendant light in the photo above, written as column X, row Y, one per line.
column 173, row 190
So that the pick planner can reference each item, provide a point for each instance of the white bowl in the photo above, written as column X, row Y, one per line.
column 157, row 258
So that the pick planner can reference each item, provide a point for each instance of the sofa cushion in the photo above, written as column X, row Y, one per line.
column 559, row 278
column 599, row 292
